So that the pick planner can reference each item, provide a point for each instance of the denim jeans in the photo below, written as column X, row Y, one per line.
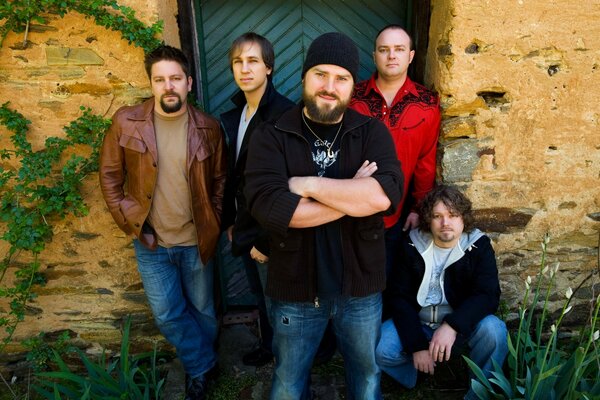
column 298, row 328
column 257, row 280
column 487, row 342
column 180, row 292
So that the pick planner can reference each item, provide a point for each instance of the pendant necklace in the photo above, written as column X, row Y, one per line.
column 329, row 151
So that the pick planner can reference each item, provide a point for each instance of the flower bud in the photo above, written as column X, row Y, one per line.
column 569, row 293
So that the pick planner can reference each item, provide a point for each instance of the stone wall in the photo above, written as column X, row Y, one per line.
column 518, row 82
column 520, row 133
column 92, row 280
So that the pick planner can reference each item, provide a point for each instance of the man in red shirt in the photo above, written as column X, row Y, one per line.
column 411, row 113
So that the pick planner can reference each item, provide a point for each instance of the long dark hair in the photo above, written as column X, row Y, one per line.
column 453, row 199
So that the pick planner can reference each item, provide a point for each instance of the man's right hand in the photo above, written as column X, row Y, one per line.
column 230, row 233
column 423, row 361
column 366, row 170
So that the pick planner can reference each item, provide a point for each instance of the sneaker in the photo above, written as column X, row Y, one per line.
column 258, row 357
column 195, row 389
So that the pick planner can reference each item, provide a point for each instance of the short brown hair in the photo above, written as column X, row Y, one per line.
column 394, row 26
column 266, row 49
column 453, row 199
column 167, row 53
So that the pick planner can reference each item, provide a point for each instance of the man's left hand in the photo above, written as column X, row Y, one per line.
column 257, row 256
column 440, row 346
column 412, row 221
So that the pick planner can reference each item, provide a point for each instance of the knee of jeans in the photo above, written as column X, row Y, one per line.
column 383, row 356
column 494, row 329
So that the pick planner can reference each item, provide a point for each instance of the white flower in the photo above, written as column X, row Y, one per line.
column 528, row 282
column 596, row 335
column 567, row 310
column 556, row 268
column 545, row 270
column 546, row 238
column 569, row 293
column 553, row 328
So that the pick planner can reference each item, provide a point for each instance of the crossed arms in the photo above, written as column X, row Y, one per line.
column 325, row 199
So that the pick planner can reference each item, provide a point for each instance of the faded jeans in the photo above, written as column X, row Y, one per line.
column 487, row 342
column 180, row 292
column 298, row 329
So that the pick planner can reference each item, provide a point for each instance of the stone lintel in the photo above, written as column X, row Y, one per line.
column 72, row 56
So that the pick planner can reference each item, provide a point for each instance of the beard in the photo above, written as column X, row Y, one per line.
column 324, row 114
column 171, row 108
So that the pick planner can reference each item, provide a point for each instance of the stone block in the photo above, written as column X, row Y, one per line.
column 502, row 219
column 457, row 127
column 460, row 158
column 72, row 56
column 464, row 109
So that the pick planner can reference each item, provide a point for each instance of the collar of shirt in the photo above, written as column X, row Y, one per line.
column 407, row 87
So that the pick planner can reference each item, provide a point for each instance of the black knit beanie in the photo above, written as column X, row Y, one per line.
column 333, row 48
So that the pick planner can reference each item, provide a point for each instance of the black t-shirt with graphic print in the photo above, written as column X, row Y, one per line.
column 328, row 241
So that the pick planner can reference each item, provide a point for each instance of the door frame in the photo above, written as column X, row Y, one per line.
column 191, row 27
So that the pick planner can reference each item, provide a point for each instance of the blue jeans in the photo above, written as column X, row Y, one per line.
column 180, row 292
column 257, row 280
column 298, row 329
column 487, row 342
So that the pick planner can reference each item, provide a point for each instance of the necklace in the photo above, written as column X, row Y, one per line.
column 329, row 151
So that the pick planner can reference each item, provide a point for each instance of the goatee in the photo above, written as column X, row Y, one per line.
column 171, row 108
column 323, row 114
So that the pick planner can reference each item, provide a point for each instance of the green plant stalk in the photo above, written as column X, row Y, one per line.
column 579, row 371
column 538, row 288
column 34, row 195
column 18, row 304
column 518, row 344
column 552, row 340
column 544, row 309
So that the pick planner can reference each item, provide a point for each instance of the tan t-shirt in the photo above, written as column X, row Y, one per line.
column 171, row 211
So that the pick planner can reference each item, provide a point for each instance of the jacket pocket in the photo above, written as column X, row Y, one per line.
column 132, row 211
column 132, row 143
column 205, row 151
column 413, row 124
column 371, row 246
column 287, row 261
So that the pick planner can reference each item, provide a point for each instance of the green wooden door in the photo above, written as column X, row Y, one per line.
column 291, row 26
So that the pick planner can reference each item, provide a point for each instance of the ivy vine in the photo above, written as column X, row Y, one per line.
column 38, row 188
column 41, row 190
column 19, row 14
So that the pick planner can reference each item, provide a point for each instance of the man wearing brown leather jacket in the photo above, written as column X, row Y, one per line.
column 162, row 174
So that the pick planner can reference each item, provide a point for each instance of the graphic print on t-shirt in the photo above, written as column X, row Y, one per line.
column 321, row 153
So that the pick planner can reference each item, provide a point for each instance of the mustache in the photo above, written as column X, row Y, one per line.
column 170, row 94
column 326, row 93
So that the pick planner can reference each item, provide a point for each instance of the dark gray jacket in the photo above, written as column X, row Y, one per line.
column 279, row 151
column 246, row 231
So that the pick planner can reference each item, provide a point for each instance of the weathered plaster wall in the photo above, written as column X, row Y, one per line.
column 518, row 82
column 92, row 280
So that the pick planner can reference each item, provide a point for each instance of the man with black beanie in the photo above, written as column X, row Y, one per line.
column 319, row 179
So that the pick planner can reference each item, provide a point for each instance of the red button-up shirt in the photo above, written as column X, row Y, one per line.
column 413, row 120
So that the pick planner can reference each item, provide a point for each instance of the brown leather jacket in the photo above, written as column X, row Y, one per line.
column 128, row 172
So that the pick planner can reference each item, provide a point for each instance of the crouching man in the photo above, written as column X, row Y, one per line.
column 444, row 293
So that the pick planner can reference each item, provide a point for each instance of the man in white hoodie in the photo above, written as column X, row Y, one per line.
column 444, row 293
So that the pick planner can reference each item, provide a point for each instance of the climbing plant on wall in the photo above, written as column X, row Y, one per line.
column 40, row 187
column 40, row 191
column 17, row 16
